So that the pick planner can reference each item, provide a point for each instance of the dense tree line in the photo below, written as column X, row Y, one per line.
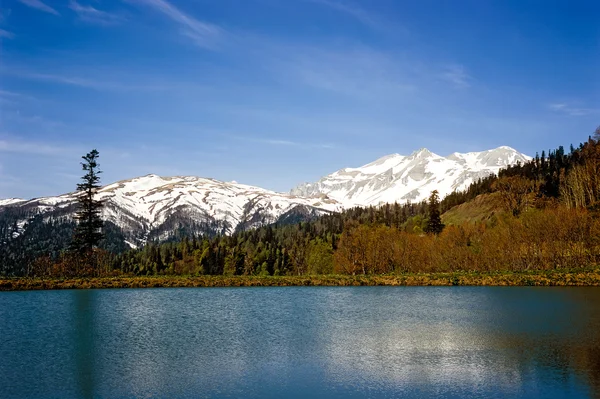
column 506, row 243
column 297, row 249
column 573, row 178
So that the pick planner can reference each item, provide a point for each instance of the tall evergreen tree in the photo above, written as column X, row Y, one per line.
column 434, row 223
column 88, row 232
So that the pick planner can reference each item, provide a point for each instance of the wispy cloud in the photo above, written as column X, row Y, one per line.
column 94, row 83
column 370, row 19
column 457, row 75
column 278, row 142
column 67, row 80
column 32, row 121
column 203, row 34
column 93, row 15
column 34, row 148
column 26, row 182
column 8, row 93
column 573, row 111
column 39, row 5
column 358, row 72
column 354, row 11
column 11, row 97
column 282, row 142
column 6, row 34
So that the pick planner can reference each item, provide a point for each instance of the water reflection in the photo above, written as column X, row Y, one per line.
column 83, row 341
column 520, row 343
column 298, row 342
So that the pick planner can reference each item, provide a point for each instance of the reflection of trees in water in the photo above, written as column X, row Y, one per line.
column 557, row 361
column 513, row 340
column 572, row 350
column 564, row 336
column 591, row 361
column 587, row 359
column 585, row 353
column 84, row 341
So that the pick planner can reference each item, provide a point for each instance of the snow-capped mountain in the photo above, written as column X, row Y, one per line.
column 399, row 178
column 153, row 206
column 10, row 201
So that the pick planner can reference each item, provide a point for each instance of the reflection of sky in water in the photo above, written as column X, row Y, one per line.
column 299, row 342
column 448, row 341
column 437, row 349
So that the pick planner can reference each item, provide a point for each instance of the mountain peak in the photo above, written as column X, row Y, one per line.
column 503, row 149
column 379, row 162
column 389, row 156
column 421, row 153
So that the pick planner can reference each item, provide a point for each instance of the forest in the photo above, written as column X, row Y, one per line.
column 541, row 215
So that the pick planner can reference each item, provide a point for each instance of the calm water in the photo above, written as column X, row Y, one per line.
column 301, row 342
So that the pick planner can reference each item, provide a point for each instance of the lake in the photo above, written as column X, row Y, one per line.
column 296, row 342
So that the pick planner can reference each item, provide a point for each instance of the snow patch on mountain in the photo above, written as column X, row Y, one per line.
column 152, row 198
column 10, row 201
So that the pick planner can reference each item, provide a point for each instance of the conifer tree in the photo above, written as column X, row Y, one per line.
column 88, row 232
column 434, row 223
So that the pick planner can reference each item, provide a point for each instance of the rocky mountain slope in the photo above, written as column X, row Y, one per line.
column 399, row 178
column 153, row 207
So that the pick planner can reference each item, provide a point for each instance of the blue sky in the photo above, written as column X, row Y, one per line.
column 276, row 92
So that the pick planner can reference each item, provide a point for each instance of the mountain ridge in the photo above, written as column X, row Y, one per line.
column 400, row 178
column 153, row 207
column 143, row 205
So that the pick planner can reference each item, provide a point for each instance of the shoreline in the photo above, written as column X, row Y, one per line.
column 573, row 278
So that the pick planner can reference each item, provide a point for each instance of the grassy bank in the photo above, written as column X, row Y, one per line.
column 583, row 277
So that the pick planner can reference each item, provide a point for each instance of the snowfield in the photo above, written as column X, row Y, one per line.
column 399, row 178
